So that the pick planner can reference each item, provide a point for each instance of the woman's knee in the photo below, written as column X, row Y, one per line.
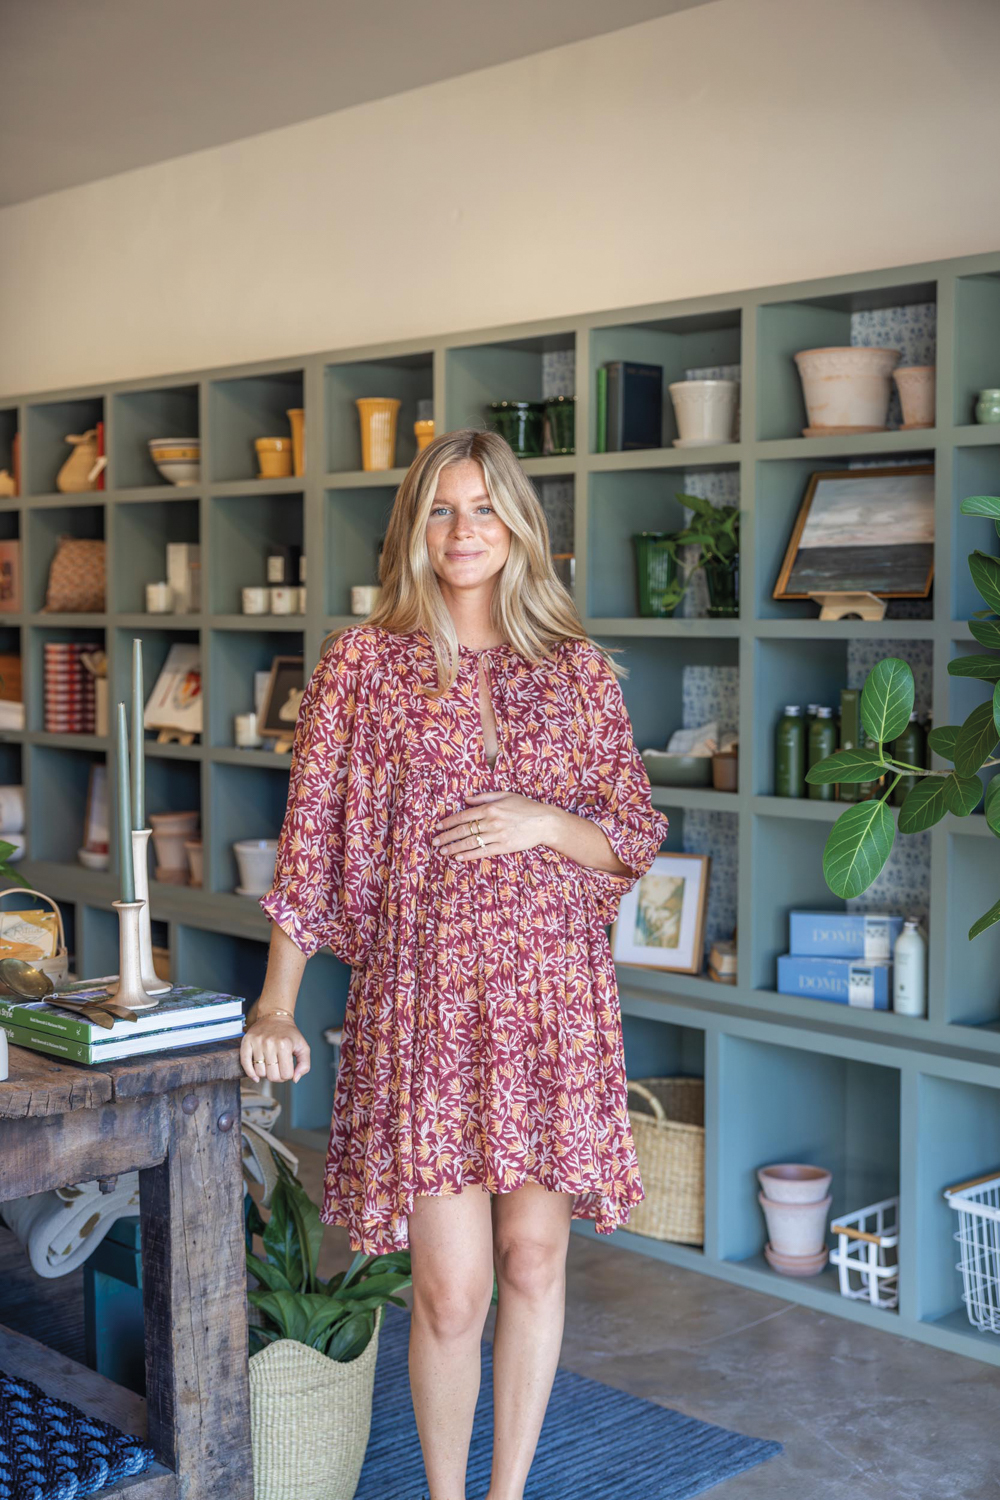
column 528, row 1265
column 453, row 1307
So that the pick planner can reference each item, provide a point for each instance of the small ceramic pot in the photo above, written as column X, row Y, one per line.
column 256, row 600
column 245, row 732
column 915, row 384
column 170, row 831
column 159, row 598
column 988, row 407
column 705, row 411
column 11, row 810
column 847, row 387
column 255, row 860
column 725, row 771
column 791, row 1183
column 274, row 457
column 424, row 433
column 796, row 1265
column 283, row 599
column 796, row 1228
column 195, row 858
column 378, row 416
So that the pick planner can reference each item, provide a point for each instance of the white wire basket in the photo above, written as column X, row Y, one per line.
column 867, row 1253
column 977, row 1204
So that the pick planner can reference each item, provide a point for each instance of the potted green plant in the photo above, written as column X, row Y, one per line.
column 313, row 1349
column 715, row 531
column 861, row 839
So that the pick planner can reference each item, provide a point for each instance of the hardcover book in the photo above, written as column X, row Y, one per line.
column 635, row 405
column 180, row 1007
column 51, row 1043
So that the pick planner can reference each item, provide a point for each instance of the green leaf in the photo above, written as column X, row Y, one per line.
column 942, row 740
column 268, row 1274
column 986, row 632
column 986, row 920
column 351, row 1337
column 976, row 739
column 280, row 1237
column 846, row 765
column 962, row 794
column 858, row 846
column 985, row 571
column 925, row 804
column 288, row 1311
column 991, row 804
column 981, row 505
column 996, row 708
column 987, row 668
column 887, row 699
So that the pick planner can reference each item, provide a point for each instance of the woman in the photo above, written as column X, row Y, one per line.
column 466, row 808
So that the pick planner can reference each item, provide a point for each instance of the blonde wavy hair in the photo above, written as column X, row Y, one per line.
column 530, row 607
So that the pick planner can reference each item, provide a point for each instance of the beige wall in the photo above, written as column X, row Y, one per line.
column 743, row 143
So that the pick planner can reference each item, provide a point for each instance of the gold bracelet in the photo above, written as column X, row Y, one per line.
column 268, row 1013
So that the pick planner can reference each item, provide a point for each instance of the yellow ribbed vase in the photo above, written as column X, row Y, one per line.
column 378, row 416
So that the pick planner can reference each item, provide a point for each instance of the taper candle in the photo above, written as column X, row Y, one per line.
column 124, row 826
column 138, row 740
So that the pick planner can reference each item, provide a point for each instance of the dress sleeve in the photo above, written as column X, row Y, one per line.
column 614, row 791
column 330, row 868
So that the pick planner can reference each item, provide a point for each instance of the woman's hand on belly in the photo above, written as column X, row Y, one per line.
column 506, row 821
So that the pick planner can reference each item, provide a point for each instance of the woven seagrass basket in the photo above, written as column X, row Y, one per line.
column 310, row 1419
column 670, row 1146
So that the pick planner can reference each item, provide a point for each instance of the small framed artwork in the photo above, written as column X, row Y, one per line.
column 280, row 707
column 176, row 702
column 661, row 920
column 863, row 531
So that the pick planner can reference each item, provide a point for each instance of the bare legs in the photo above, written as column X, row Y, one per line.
column 455, row 1242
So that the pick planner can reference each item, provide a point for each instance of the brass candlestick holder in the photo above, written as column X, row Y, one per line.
column 130, row 991
column 151, row 981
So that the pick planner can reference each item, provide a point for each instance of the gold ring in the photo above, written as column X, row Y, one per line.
column 475, row 827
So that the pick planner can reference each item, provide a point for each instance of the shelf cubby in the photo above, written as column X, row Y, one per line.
column 500, row 370
column 977, row 341
column 244, row 408
column 241, row 530
column 696, row 341
column 245, row 802
column 46, row 525
column 56, row 800
column 407, row 377
column 816, row 320
column 97, row 934
column 33, row 664
column 8, row 432
column 157, row 640
column 234, row 656
column 141, row 531
column 972, row 983
column 976, row 472
column 654, row 688
column 237, row 968
column 355, row 523
column 139, row 416
column 44, row 445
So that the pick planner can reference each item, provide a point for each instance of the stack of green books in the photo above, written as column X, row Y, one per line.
column 185, row 1016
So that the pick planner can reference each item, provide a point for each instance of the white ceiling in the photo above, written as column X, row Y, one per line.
column 95, row 87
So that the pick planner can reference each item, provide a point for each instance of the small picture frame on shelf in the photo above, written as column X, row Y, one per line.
column 175, row 703
column 863, row 531
column 280, row 707
column 661, row 920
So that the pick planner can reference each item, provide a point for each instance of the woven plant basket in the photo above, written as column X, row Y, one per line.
column 310, row 1418
column 670, row 1145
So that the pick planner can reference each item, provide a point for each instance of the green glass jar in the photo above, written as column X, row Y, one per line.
column 521, row 423
column 656, row 571
column 822, row 742
column 790, row 754
column 561, row 414
column 911, row 747
column 723, row 582
column 988, row 406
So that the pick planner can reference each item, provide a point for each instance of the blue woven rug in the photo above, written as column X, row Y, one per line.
column 596, row 1443
column 50, row 1450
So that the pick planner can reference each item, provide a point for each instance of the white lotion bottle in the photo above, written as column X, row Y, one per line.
column 909, row 971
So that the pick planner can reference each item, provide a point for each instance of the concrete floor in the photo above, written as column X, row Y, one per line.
column 862, row 1415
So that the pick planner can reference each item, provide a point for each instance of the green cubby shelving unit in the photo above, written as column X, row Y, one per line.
column 892, row 1104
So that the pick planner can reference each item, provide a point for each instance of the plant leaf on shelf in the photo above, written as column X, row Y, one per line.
column 986, row 920
column 942, row 740
column 887, row 699
column 846, row 765
column 962, row 794
column 981, row 505
column 986, row 632
column 991, row 805
column 925, row 805
column 976, row 739
column 858, row 846
column 985, row 571
column 987, row 668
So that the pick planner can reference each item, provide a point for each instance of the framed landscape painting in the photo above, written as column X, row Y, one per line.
column 661, row 920
column 863, row 531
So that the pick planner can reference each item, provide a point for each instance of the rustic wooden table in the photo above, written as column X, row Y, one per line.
column 175, row 1117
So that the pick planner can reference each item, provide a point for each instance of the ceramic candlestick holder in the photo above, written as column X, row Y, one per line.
column 151, row 981
column 129, row 990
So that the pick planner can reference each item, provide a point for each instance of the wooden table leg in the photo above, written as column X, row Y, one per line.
column 194, row 1296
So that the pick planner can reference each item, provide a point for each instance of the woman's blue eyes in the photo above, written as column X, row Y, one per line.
column 439, row 508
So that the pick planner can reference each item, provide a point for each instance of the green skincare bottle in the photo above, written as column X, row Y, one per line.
column 790, row 754
column 822, row 742
column 850, row 737
column 911, row 747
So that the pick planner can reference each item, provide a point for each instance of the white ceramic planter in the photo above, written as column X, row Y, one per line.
column 255, row 858
column 170, row 830
column 790, row 1182
column 847, row 387
column 796, row 1228
column 705, row 411
column 915, row 384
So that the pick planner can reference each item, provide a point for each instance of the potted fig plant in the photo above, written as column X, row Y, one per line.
column 715, row 531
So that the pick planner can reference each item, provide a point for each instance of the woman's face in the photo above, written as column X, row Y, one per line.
column 467, row 542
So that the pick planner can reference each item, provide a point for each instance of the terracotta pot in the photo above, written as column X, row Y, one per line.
column 796, row 1265
column 170, row 832
column 297, row 418
column 725, row 771
column 791, row 1183
column 195, row 858
column 847, row 387
column 915, row 384
column 796, row 1228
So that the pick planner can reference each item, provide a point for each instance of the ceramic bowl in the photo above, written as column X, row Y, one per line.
column 91, row 859
column 790, row 1182
column 665, row 769
column 178, row 459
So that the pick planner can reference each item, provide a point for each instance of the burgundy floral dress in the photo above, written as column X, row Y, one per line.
column 482, row 1040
